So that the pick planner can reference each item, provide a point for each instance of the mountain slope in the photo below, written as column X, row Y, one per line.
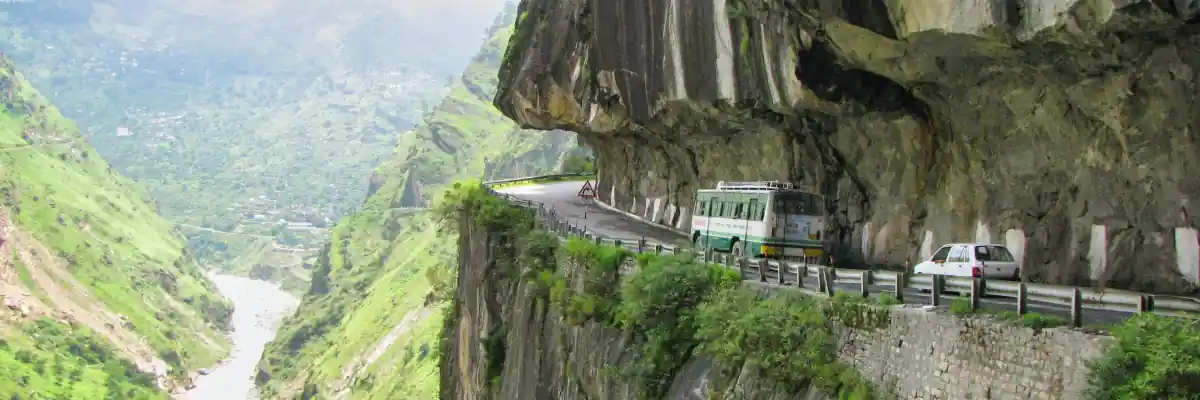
column 368, row 326
column 283, row 116
column 80, row 245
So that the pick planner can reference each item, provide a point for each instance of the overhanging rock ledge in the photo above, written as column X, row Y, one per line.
column 1065, row 129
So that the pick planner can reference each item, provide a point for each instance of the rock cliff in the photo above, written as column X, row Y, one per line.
column 512, row 335
column 1066, row 129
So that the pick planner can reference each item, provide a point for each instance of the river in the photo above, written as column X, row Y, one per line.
column 259, row 308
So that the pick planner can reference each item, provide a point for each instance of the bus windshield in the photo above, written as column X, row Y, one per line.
column 797, row 203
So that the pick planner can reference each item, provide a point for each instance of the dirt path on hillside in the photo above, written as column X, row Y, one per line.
column 360, row 363
column 34, row 146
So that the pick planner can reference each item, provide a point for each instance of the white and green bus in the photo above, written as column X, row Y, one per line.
column 768, row 219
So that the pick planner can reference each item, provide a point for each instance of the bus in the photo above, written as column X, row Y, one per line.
column 764, row 219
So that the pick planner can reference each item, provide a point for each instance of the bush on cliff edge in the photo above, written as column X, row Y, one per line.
column 789, row 338
column 471, row 198
column 1154, row 357
column 658, row 306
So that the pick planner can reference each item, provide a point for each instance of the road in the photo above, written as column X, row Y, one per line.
column 563, row 197
column 33, row 146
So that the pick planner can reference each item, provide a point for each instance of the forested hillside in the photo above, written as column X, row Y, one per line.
column 369, row 324
column 238, row 115
column 99, row 295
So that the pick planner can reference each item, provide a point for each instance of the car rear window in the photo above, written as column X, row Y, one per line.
column 993, row 253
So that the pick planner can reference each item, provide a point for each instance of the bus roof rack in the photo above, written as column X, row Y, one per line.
column 754, row 185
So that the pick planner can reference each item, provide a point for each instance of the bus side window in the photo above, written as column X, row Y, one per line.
column 700, row 209
column 738, row 213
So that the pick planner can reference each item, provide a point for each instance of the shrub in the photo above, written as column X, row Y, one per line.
column 658, row 305
column 471, row 198
column 536, row 253
column 737, row 328
column 960, row 307
column 494, row 349
column 601, row 265
column 888, row 299
column 578, row 164
column 853, row 311
column 1039, row 321
column 1154, row 357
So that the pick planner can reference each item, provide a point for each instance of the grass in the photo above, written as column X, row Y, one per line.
column 49, row 360
column 373, row 285
column 888, row 299
column 962, row 307
column 102, row 231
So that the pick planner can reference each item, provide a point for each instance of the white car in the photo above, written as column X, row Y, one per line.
column 975, row 260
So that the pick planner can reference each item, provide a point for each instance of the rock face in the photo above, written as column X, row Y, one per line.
column 1066, row 129
column 503, row 340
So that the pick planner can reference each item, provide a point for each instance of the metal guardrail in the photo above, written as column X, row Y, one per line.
column 792, row 274
column 537, row 178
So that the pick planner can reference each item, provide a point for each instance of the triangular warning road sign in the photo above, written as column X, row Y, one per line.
column 587, row 190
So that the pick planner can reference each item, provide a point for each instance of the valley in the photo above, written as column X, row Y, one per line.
column 260, row 134
column 216, row 199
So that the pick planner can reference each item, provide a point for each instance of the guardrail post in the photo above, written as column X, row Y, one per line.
column 898, row 288
column 742, row 266
column 1146, row 303
column 762, row 269
column 658, row 249
column 830, row 281
column 801, row 271
column 599, row 240
column 1076, row 308
column 976, row 286
column 820, row 280
column 935, row 292
column 641, row 244
column 864, row 282
column 1022, row 298
column 782, row 270
column 708, row 255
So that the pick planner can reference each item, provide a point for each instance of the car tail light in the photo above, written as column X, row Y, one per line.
column 977, row 271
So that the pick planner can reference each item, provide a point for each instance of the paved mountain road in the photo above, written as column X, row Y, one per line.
column 563, row 197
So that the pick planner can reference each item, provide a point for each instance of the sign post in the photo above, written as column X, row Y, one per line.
column 587, row 193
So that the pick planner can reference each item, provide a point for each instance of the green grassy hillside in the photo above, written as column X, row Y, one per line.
column 228, row 110
column 369, row 324
column 79, row 245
